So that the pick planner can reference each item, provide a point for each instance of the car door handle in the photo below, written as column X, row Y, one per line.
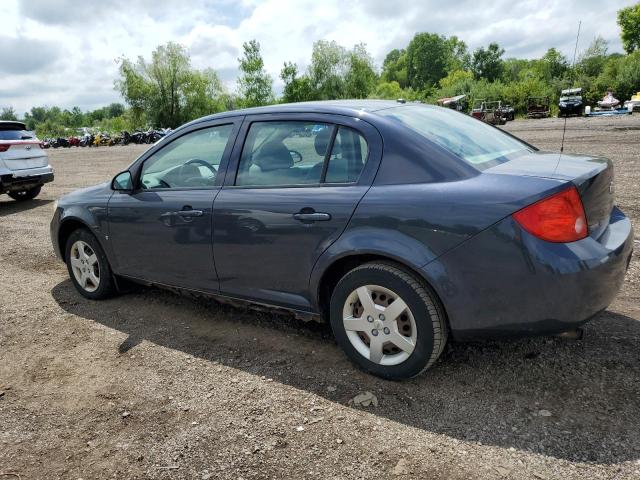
column 312, row 217
column 190, row 213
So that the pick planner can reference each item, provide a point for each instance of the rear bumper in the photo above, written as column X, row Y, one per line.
column 17, row 180
column 505, row 282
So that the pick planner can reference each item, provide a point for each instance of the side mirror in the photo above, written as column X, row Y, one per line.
column 122, row 182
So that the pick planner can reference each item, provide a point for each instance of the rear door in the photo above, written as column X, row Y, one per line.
column 161, row 232
column 290, row 190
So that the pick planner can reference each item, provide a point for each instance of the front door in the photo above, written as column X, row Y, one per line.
column 296, row 187
column 162, row 231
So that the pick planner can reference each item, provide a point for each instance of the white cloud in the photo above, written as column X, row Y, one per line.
column 63, row 52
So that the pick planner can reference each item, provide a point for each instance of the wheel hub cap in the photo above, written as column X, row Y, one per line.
column 379, row 325
column 85, row 266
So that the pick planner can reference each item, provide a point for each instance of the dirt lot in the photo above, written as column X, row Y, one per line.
column 154, row 385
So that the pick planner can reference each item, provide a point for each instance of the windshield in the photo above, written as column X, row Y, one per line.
column 472, row 140
column 16, row 135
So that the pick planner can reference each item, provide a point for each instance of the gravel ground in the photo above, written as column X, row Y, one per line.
column 156, row 385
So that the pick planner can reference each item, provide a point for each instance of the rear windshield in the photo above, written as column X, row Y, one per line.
column 16, row 135
column 475, row 142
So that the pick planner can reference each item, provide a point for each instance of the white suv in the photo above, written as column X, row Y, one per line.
column 24, row 165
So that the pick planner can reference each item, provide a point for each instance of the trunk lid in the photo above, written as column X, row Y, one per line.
column 22, row 154
column 592, row 176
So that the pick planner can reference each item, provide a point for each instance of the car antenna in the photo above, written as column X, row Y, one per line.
column 573, row 69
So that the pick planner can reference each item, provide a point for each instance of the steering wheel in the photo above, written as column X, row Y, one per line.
column 296, row 155
column 195, row 180
column 197, row 161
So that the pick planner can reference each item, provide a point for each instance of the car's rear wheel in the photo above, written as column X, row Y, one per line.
column 387, row 321
column 88, row 266
column 23, row 195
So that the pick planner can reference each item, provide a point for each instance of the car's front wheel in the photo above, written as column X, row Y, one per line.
column 387, row 321
column 88, row 266
column 23, row 195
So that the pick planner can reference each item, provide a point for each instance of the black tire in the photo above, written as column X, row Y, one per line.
column 106, row 285
column 24, row 195
column 427, row 312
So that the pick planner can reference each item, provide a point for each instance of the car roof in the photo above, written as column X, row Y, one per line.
column 12, row 125
column 338, row 107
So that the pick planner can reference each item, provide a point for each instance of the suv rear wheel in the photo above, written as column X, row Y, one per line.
column 387, row 321
column 22, row 195
column 88, row 266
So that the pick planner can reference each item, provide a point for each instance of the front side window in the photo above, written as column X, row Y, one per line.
column 295, row 153
column 475, row 142
column 192, row 160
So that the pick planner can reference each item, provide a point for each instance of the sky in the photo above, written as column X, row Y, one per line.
column 65, row 52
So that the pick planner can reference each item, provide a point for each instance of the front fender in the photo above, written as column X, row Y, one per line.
column 66, row 218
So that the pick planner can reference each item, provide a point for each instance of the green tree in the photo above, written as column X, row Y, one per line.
column 458, row 82
column 166, row 90
column 328, row 69
column 428, row 56
column 629, row 22
column 487, row 63
column 360, row 78
column 459, row 58
column 553, row 64
column 628, row 77
column 77, row 117
column 255, row 86
column 296, row 89
column 204, row 94
column 115, row 110
column 8, row 113
column 389, row 91
column 394, row 67
column 592, row 60
column 514, row 68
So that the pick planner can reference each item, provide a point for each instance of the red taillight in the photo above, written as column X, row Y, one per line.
column 558, row 218
column 6, row 146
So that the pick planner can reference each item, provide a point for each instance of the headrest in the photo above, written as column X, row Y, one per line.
column 273, row 155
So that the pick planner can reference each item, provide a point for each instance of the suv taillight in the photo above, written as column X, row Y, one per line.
column 4, row 147
column 559, row 218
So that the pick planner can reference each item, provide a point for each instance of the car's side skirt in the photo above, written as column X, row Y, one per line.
column 304, row 315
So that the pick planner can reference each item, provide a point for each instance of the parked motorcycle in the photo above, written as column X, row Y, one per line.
column 125, row 138
column 101, row 140
column 115, row 140
column 138, row 137
column 86, row 140
column 60, row 142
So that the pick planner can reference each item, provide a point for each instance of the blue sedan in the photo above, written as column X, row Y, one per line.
column 403, row 225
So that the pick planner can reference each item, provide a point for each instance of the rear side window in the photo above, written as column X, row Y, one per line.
column 475, row 142
column 16, row 135
column 348, row 157
column 300, row 153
